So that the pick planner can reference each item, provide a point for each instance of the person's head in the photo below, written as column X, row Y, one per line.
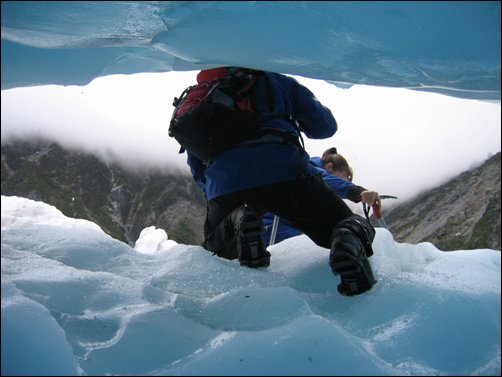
column 336, row 164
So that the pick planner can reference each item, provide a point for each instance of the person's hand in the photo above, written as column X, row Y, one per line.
column 371, row 198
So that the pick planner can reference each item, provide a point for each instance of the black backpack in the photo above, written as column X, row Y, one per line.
column 216, row 115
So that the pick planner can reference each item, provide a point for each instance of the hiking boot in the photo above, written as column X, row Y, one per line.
column 248, row 229
column 350, row 247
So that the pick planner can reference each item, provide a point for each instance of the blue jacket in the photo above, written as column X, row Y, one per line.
column 252, row 165
column 344, row 189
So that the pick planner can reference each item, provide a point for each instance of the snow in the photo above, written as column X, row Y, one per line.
column 77, row 302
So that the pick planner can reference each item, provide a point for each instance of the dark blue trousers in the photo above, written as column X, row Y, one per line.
column 307, row 203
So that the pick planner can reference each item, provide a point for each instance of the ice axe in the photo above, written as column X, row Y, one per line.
column 378, row 216
column 274, row 230
column 376, row 211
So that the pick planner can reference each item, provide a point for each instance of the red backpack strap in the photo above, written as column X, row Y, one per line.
column 242, row 97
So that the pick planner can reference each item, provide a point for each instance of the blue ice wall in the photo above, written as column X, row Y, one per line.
column 450, row 47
